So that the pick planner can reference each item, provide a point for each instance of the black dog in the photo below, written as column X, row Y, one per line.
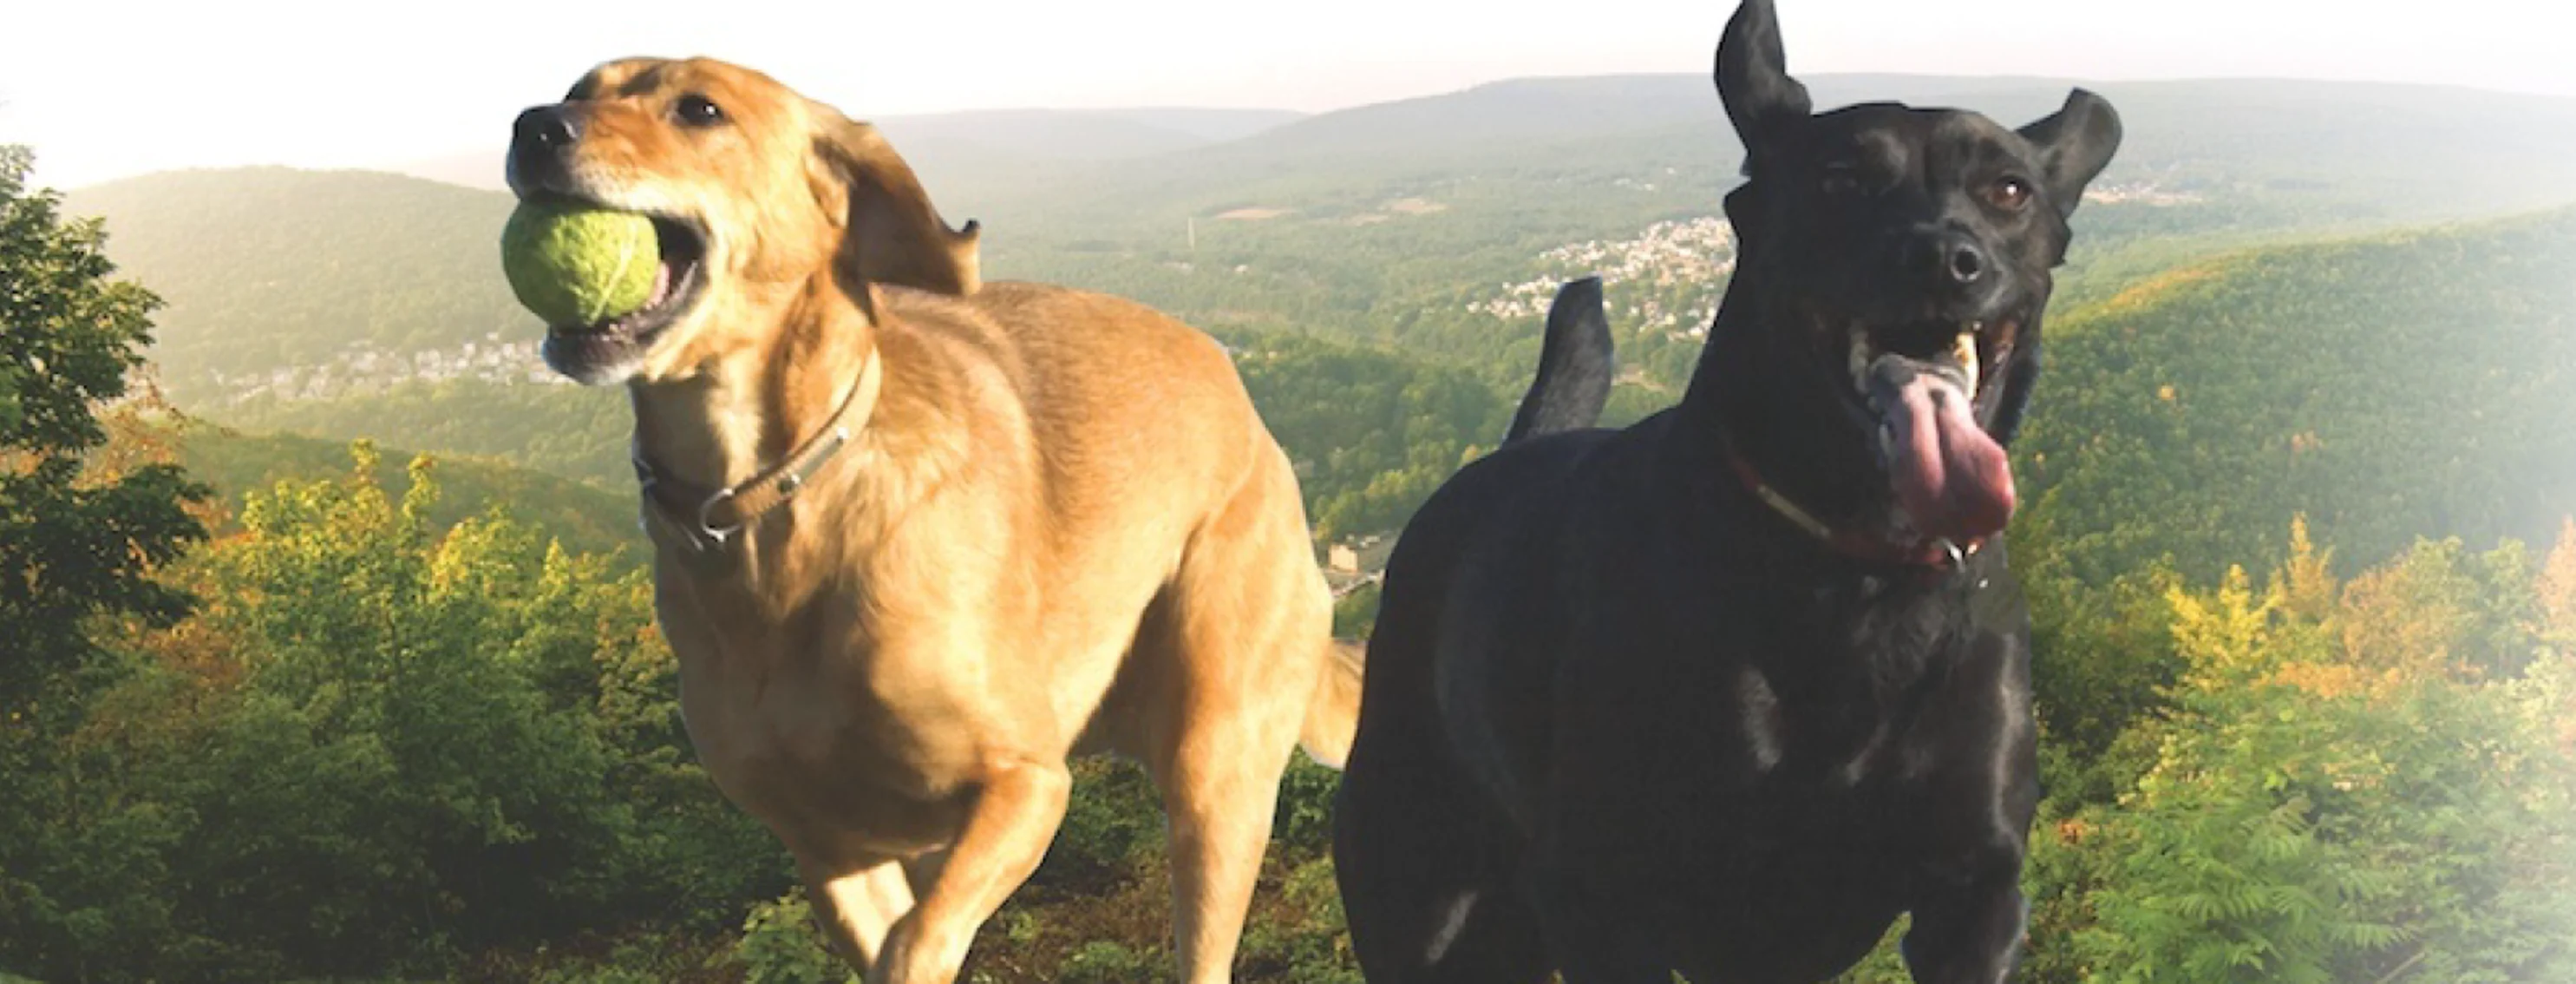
column 1729, row 690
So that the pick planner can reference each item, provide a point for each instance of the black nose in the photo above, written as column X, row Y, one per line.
column 1967, row 262
column 546, row 128
column 541, row 141
column 1950, row 256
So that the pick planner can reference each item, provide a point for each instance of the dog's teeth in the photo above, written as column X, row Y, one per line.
column 1965, row 350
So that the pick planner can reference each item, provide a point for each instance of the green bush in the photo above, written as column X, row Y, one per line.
column 2324, row 807
column 781, row 945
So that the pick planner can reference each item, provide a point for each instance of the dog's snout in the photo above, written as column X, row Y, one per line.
column 546, row 128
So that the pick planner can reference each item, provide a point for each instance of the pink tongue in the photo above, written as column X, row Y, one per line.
column 661, row 285
column 1950, row 477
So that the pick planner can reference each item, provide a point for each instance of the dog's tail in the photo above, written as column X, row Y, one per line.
column 1333, row 713
column 1574, row 366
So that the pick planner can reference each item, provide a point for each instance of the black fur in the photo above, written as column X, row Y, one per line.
column 1621, row 718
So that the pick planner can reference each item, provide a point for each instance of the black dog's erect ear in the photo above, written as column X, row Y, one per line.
column 895, row 235
column 1753, row 77
column 2074, row 144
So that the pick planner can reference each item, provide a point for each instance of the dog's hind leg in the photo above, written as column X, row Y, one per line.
column 1428, row 867
column 1219, row 792
column 1242, row 645
column 1428, row 884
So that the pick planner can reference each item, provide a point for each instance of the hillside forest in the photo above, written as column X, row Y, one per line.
column 329, row 653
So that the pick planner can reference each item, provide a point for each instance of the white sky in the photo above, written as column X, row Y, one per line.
column 108, row 88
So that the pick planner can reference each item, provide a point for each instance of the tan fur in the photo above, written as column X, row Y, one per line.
column 1062, row 529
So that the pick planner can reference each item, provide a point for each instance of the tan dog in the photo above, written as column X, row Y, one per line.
column 918, row 538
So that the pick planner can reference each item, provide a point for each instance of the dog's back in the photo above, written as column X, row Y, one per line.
column 1145, row 444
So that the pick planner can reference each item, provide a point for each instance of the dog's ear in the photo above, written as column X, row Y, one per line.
column 2074, row 144
column 1753, row 77
column 894, row 234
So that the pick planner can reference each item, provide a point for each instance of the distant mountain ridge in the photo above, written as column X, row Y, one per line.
column 1382, row 223
column 982, row 138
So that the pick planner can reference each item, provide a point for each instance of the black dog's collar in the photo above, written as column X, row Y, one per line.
column 1936, row 554
column 710, row 520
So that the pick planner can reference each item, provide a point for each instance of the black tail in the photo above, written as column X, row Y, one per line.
column 1573, row 366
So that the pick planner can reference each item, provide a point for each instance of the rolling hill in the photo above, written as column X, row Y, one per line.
column 2393, row 386
column 1381, row 223
column 585, row 518
column 272, row 268
column 991, row 142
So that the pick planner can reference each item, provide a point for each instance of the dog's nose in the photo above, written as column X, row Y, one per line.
column 1967, row 262
column 1951, row 256
column 546, row 128
column 541, row 144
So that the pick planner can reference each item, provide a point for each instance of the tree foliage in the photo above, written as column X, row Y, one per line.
column 2389, row 387
column 2337, row 793
column 424, row 743
column 1372, row 435
column 71, row 544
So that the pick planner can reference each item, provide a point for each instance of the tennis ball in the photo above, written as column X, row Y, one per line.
column 575, row 265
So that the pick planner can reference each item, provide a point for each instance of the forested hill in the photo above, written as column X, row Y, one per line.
column 585, row 518
column 268, row 268
column 2418, row 384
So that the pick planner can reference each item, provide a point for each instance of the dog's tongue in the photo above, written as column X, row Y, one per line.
column 1952, row 479
column 661, row 286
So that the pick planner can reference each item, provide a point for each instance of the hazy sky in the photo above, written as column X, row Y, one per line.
column 108, row 88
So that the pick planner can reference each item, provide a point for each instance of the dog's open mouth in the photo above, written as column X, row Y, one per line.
column 677, row 284
column 1923, row 385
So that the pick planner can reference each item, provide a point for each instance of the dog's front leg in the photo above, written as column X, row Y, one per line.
column 1014, row 818
column 856, row 908
column 1594, row 935
column 1968, row 933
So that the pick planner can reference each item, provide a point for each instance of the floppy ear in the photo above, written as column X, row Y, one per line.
column 1752, row 77
column 894, row 234
column 2074, row 144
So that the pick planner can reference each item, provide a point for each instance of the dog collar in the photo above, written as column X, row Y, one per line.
column 711, row 521
column 1937, row 553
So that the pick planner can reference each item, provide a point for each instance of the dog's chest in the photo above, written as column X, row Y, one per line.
column 825, row 732
column 1816, row 691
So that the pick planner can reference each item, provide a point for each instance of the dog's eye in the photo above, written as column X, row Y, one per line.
column 697, row 110
column 2009, row 194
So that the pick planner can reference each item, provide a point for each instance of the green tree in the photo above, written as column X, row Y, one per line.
column 70, row 547
column 380, row 747
column 77, row 544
